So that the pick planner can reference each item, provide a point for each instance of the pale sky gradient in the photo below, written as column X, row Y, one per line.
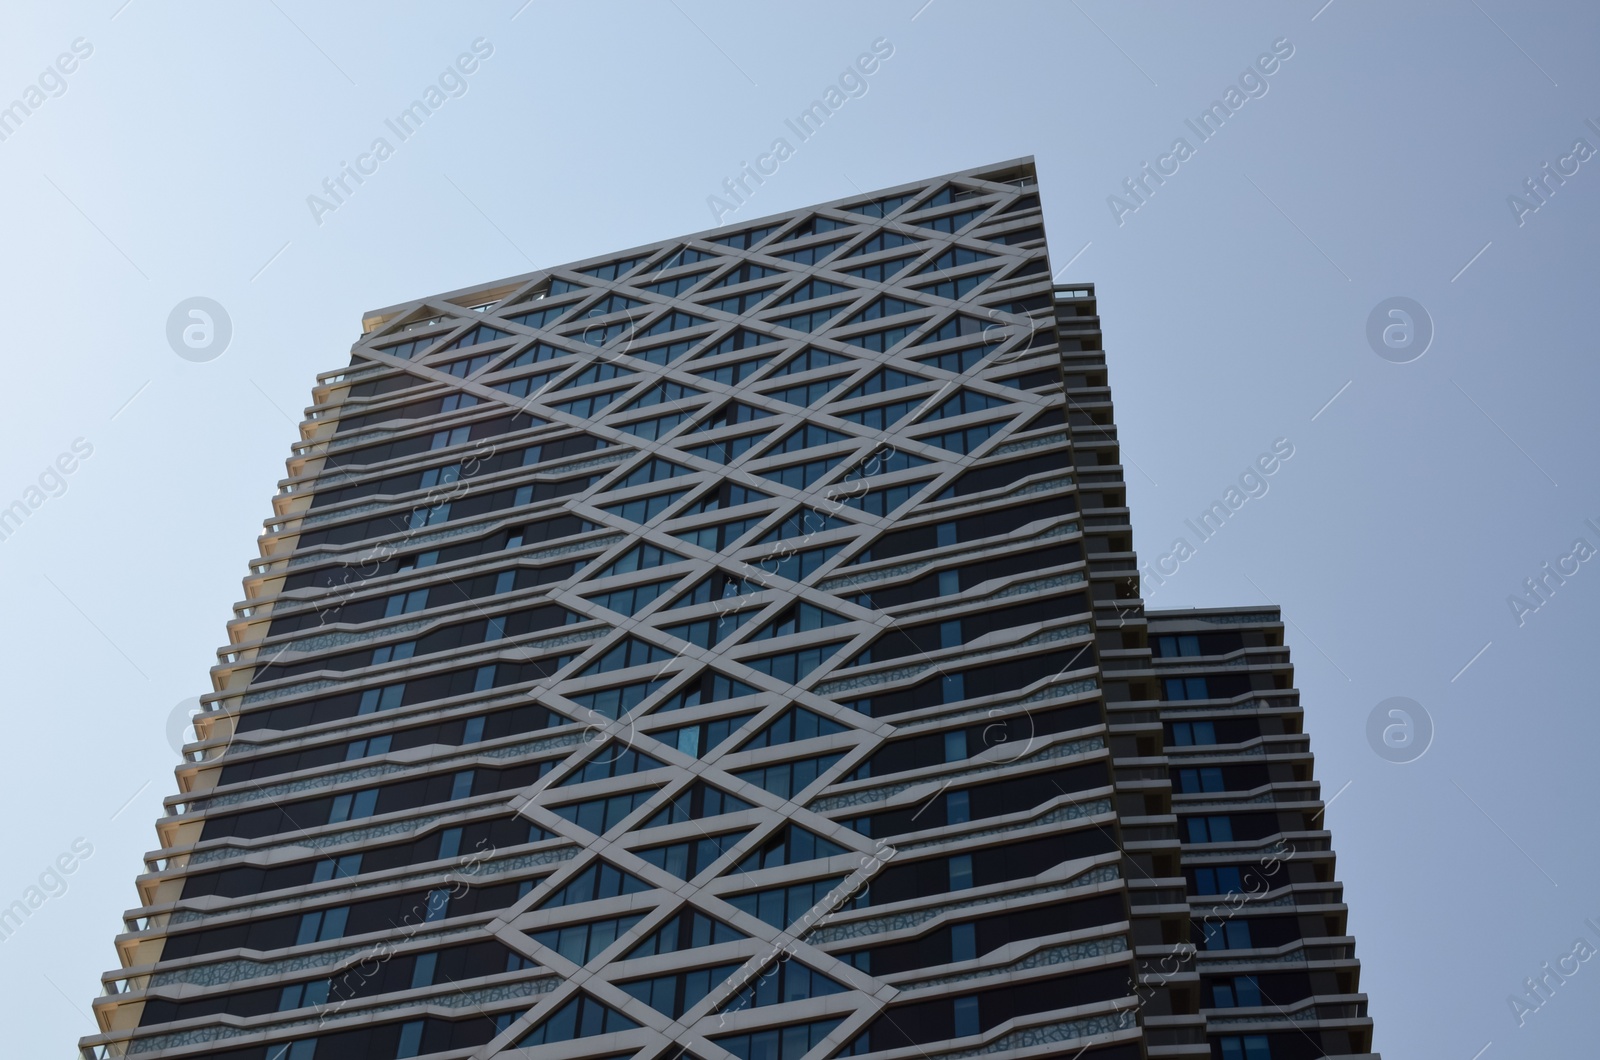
column 177, row 160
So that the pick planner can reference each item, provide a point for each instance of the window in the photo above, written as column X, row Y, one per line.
column 353, row 806
column 688, row 930
column 719, row 537
column 796, row 723
column 632, row 600
column 640, row 557
column 808, row 321
column 735, row 373
column 653, row 470
column 881, row 207
column 724, row 495
column 739, row 303
column 1210, row 830
column 800, row 523
column 884, row 307
column 708, row 686
column 799, row 617
column 884, row 340
column 675, row 320
column 880, row 271
column 700, row 801
column 540, row 318
column 615, row 702
column 965, row 441
column 809, row 358
column 786, row 778
column 781, row 906
column 631, row 652
column 1241, row 991
column 1227, row 935
column 790, row 1042
column 535, row 354
column 598, row 881
column 585, row 408
column 957, row 288
column 797, row 566
column 742, row 273
column 718, row 585
column 661, row 393
column 582, row 1017
column 612, row 303
column 610, row 763
column 953, row 222
column 884, row 379
column 1176, row 646
column 730, row 414
column 953, row 257
column 1199, row 780
column 882, row 462
column 599, row 334
column 405, row 603
column 644, row 509
column 809, row 290
column 728, row 450
column 480, row 333
column 303, row 995
column 956, row 326
column 600, row 815
column 1224, row 879
column 579, row 943
column 322, row 925
column 676, row 285
column 812, row 254
column 789, row 980
column 965, row 401
column 662, row 354
column 598, row 372
column 673, row 995
column 881, row 241
column 655, row 428
column 709, row 632
column 790, row 846
column 695, row 740
column 801, row 476
column 1192, row 733
column 807, row 395
column 805, row 438
column 882, row 417
column 1186, row 688
column 612, row 269
column 746, row 240
column 686, row 860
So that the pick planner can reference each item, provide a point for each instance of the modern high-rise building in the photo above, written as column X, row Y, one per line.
column 732, row 649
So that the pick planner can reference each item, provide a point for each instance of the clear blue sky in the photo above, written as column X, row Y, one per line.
column 173, row 153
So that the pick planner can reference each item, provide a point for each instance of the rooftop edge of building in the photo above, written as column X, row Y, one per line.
column 473, row 294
